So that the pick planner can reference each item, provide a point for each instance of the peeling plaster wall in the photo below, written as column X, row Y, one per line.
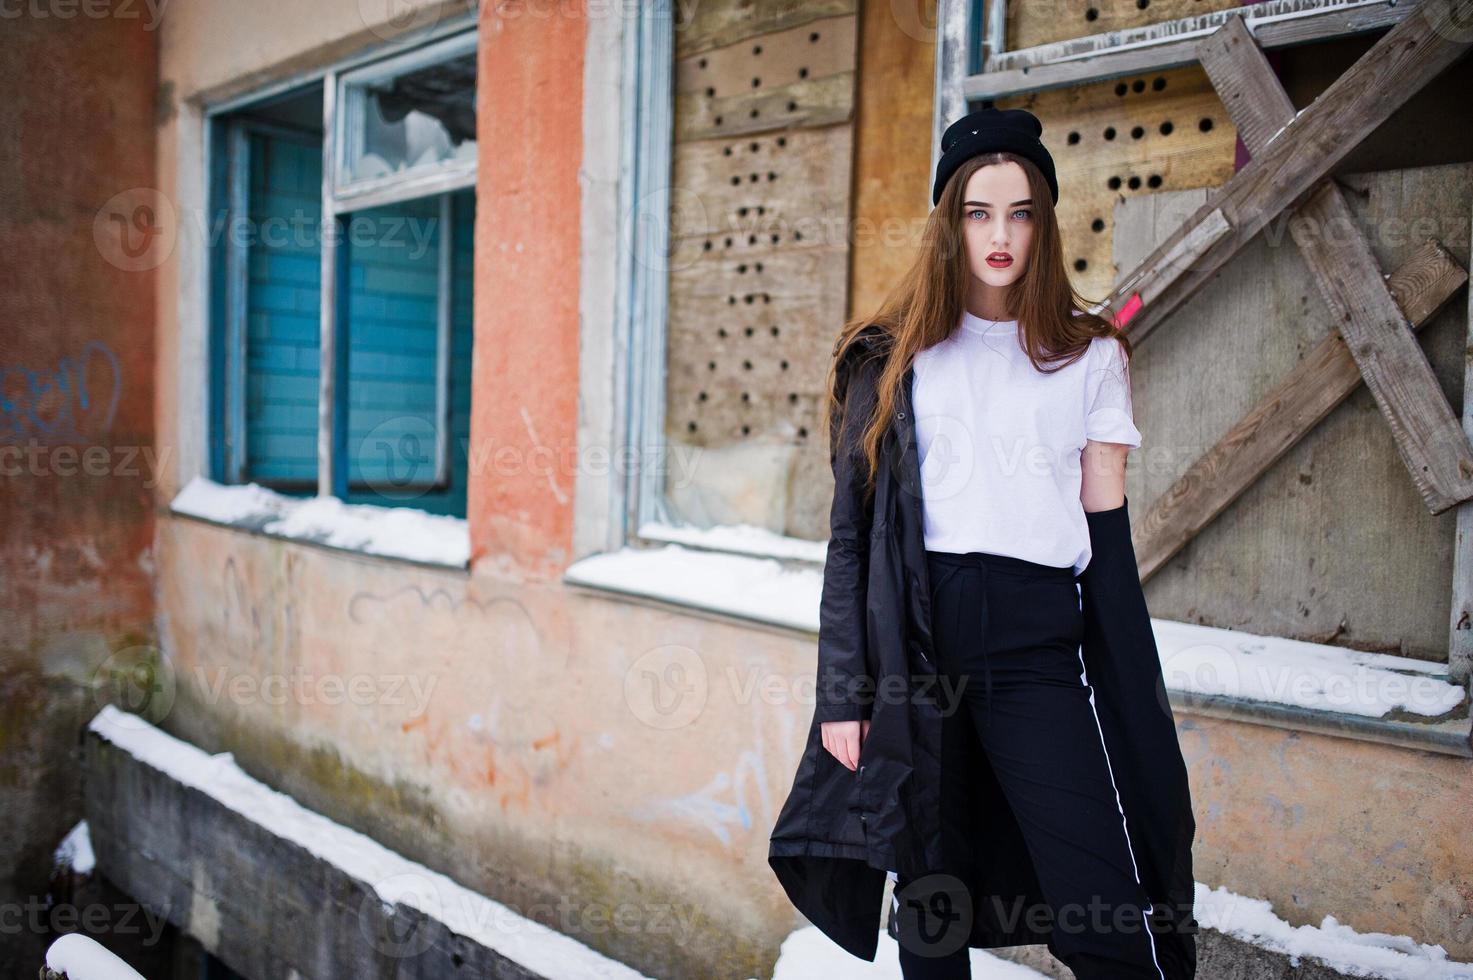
column 525, row 739
column 529, row 740
column 1371, row 834
column 514, row 735
column 77, row 451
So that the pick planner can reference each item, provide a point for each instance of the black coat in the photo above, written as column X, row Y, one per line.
column 840, row 831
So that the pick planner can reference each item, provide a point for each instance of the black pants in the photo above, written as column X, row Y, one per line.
column 1013, row 629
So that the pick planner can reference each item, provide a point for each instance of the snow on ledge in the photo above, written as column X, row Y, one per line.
column 1358, row 954
column 738, row 585
column 1212, row 661
column 1195, row 659
column 807, row 952
column 75, row 850
column 80, row 957
column 747, row 539
column 540, row 949
column 392, row 532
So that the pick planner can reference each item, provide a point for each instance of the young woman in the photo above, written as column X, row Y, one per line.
column 1022, row 420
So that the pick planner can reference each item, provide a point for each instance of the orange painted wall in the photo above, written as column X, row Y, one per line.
column 528, row 204
column 78, row 455
column 76, row 346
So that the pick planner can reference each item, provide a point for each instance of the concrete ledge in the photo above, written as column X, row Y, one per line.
column 1209, row 671
column 1446, row 735
column 276, row 890
column 1224, row 957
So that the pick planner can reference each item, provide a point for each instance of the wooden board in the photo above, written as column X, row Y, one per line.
column 763, row 338
column 758, row 263
column 1142, row 135
column 1036, row 22
column 1375, row 329
column 892, row 153
column 1333, row 543
column 1320, row 381
column 786, row 183
column 712, row 25
column 803, row 76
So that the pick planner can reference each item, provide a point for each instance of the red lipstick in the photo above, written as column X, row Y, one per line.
column 999, row 260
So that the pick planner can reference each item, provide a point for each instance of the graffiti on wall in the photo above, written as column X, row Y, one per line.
column 487, row 725
column 735, row 799
column 72, row 401
column 257, row 626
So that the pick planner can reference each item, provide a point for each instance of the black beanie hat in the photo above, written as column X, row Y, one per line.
column 987, row 130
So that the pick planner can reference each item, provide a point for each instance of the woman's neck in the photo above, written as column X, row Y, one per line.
column 989, row 302
column 996, row 314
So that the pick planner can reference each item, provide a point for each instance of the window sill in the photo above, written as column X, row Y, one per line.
column 755, row 590
column 395, row 533
column 1313, row 687
column 1210, row 672
column 740, row 539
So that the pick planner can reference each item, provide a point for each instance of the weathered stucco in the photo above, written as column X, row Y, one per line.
column 507, row 737
column 542, row 744
column 503, row 732
column 77, row 451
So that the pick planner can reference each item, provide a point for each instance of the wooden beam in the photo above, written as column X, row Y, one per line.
column 1319, row 137
column 1172, row 44
column 1460, row 625
column 1246, row 83
column 1149, row 281
column 1427, row 434
column 1326, row 376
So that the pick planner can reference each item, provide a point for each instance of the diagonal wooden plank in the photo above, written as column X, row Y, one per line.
column 1427, row 434
column 1326, row 376
column 1246, row 83
column 1460, row 625
column 1171, row 44
column 1385, row 77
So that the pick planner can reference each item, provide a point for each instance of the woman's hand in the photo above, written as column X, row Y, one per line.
column 843, row 739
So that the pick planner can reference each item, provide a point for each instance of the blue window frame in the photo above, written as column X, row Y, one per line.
column 342, row 321
column 281, row 335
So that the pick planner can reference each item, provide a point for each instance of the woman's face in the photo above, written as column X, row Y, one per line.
column 997, row 223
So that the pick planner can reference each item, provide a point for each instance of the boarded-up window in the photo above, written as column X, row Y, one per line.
column 764, row 100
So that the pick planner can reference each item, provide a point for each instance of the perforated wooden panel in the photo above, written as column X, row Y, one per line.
column 760, row 216
column 1158, row 131
column 1045, row 21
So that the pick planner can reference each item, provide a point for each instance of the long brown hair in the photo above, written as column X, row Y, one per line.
column 926, row 306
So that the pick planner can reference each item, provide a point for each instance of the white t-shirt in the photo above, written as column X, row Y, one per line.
column 1000, row 441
